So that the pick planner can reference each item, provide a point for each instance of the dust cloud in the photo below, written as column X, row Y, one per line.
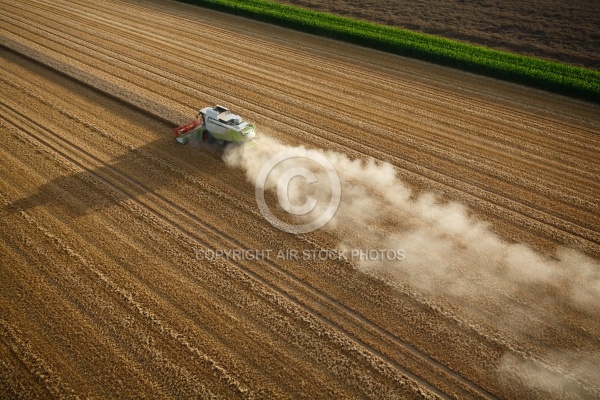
column 447, row 253
column 446, row 250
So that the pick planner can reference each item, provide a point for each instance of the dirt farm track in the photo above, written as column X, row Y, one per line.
column 490, row 190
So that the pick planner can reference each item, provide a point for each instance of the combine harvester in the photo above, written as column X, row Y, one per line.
column 216, row 124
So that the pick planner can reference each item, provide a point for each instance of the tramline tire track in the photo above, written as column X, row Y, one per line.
column 183, row 215
column 167, row 78
column 186, row 20
column 559, row 227
column 190, row 395
column 145, row 154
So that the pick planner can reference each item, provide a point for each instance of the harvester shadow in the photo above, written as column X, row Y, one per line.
column 145, row 169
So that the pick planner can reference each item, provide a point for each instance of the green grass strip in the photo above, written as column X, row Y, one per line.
column 552, row 76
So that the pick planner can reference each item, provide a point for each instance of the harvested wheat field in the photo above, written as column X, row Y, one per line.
column 462, row 262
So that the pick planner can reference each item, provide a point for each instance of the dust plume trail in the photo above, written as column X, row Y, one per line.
column 451, row 255
column 446, row 250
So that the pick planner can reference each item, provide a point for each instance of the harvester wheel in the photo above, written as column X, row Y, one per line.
column 207, row 137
